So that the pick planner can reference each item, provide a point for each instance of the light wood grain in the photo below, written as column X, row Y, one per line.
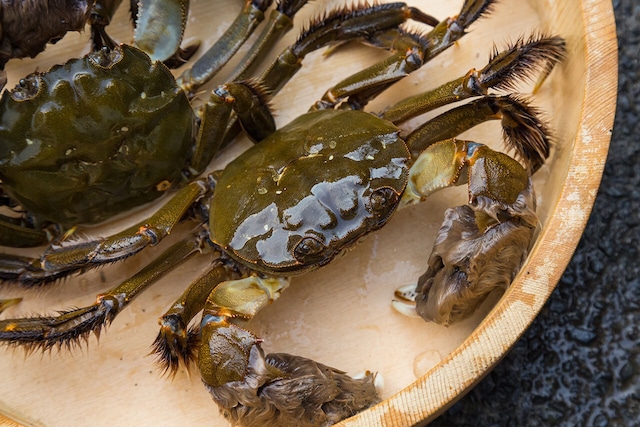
column 341, row 315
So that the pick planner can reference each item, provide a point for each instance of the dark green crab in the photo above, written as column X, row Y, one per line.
column 291, row 203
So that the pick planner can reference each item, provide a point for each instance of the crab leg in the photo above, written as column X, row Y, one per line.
column 519, row 61
column 16, row 235
column 248, row 102
column 411, row 51
column 273, row 389
column 66, row 328
column 524, row 132
column 338, row 26
column 101, row 13
column 341, row 25
column 280, row 22
column 64, row 259
column 220, row 53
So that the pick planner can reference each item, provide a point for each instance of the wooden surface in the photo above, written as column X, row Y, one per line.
column 341, row 315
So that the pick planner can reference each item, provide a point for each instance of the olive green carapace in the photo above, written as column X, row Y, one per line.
column 95, row 138
column 325, row 180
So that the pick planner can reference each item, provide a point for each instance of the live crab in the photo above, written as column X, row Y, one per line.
column 308, row 250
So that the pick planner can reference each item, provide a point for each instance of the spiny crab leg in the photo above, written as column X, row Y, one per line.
column 338, row 26
column 527, row 135
column 410, row 52
column 523, row 132
column 45, row 332
column 504, row 69
column 244, row 381
column 68, row 258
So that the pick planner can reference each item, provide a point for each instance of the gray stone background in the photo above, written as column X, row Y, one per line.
column 579, row 363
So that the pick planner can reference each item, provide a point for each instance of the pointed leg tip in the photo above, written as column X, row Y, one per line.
column 405, row 308
column 406, row 292
column 6, row 303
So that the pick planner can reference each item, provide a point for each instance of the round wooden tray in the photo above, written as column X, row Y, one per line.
column 341, row 314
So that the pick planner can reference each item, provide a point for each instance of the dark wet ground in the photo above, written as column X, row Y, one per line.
column 579, row 363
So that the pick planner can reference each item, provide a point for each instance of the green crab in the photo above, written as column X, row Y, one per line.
column 302, row 195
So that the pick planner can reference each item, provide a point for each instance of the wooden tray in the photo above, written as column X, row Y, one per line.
column 341, row 315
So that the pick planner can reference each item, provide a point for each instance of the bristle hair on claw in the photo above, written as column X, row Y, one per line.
column 523, row 60
column 171, row 355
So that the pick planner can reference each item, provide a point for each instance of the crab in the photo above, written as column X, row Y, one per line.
column 302, row 195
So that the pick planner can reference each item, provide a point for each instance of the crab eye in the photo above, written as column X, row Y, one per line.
column 27, row 88
column 105, row 57
column 382, row 202
column 308, row 250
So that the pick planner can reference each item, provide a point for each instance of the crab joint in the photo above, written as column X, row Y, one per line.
column 244, row 297
column 163, row 185
column 490, row 174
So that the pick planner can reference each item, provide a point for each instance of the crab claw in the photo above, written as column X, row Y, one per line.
column 273, row 390
column 278, row 389
column 159, row 29
column 466, row 265
column 481, row 246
